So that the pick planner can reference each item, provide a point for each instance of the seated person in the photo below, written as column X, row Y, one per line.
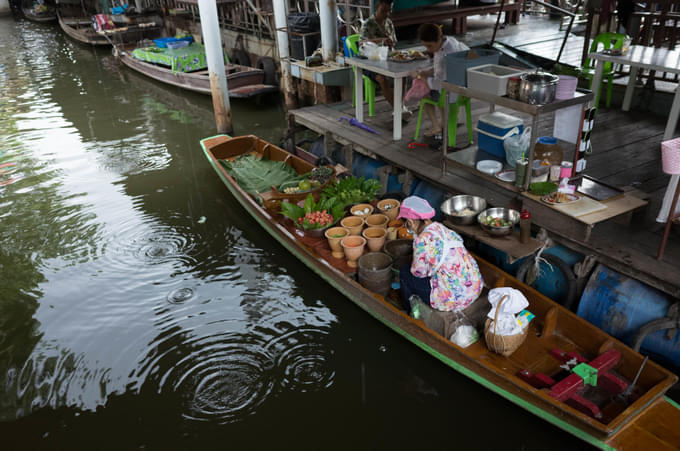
column 439, row 46
column 379, row 29
column 443, row 273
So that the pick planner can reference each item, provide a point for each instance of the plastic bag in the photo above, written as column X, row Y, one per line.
column 517, row 145
column 373, row 51
column 419, row 89
column 463, row 332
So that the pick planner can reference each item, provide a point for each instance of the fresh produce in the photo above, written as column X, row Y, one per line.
column 321, row 175
column 313, row 215
column 305, row 185
column 495, row 222
column 352, row 190
column 258, row 175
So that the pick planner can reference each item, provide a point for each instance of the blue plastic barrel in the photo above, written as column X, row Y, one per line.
column 363, row 166
column 620, row 305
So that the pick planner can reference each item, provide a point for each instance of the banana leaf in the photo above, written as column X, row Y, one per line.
column 258, row 175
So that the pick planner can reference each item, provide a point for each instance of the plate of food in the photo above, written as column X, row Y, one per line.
column 401, row 57
column 417, row 54
column 558, row 198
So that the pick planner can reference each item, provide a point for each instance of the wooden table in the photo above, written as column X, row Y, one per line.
column 396, row 70
column 647, row 58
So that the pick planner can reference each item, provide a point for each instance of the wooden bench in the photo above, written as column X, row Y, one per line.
column 457, row 15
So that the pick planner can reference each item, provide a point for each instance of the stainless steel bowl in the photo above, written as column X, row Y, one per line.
column 503, row 213
column 457, row 204
column 538, row 88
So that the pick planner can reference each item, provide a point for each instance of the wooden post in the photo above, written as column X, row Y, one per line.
column 281, row 25
column 210, row 29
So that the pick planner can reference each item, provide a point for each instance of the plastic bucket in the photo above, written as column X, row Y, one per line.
column 670, row 156
column 375, row 272
column 401, row 252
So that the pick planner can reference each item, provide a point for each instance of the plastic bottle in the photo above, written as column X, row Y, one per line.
column 524, row 226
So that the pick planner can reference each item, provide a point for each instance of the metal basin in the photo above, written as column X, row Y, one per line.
column 504, row 213
column 456, row 204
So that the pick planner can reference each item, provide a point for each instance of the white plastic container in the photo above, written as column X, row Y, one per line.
column 491, row 78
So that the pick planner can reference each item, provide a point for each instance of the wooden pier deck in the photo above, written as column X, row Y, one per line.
column 626, row 154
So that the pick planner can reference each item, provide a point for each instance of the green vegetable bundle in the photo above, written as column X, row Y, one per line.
column 352, row 190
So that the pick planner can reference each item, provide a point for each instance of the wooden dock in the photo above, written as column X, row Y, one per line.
column 626, row 153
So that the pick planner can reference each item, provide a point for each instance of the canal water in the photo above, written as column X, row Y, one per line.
column 141, row 308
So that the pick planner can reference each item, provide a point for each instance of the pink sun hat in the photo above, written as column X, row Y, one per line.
column 414, row 207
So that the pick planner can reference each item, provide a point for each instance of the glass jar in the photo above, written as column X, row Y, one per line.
column 513, row 87
column 547, row 149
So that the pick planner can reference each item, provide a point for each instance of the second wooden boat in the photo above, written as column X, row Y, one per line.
column 49, row 14
column 534, row 376
column 242, row 81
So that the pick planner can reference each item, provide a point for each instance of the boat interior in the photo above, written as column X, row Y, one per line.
column 557, row 339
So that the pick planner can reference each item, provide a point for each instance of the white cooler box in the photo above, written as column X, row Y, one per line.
column 493, row 128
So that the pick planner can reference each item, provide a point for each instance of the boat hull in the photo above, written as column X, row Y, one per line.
column 49, row 16
column 242, row 81
column 81, row 30
column 534, row 400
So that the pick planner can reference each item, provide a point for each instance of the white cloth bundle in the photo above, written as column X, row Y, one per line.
column 513, row 304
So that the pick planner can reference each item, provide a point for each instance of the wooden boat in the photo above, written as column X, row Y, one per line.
column 80, row 28
column 48, row 16
column 242, row 81
column 646, row 420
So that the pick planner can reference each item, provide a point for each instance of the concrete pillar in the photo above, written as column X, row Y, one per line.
column 212, row 40
column 281, row 23
column 328, row 11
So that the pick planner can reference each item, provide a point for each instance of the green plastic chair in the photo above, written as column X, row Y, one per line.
column 453, row 115
column 369, row 85
column 601, row 42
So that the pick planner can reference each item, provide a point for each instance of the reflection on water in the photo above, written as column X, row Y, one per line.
column 137, row 296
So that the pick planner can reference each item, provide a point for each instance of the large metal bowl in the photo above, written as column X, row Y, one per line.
column 503, row 213
column 456, row 204
column 538, row 88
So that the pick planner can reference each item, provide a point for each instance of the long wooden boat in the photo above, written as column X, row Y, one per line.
column 242, row 81
column 648, row 420
column 48, row 16
column 80, row 28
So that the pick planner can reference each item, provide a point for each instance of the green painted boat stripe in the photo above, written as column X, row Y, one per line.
column 452, row 363
column 671, row 402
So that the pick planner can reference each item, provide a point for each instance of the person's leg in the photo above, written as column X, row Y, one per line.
column 386, row 88
column 411, row 285
column 431, row 113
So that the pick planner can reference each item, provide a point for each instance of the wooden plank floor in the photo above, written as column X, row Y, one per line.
column 626, row 153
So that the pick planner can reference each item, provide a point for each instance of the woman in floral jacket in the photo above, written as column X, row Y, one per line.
column 443, row 273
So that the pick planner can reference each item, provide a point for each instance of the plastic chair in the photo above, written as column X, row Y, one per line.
column 351, row 42
column 453, row 115
column 601, row 42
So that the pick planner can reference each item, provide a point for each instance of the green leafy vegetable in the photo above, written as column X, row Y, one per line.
column 353, row 190
column 258, row 175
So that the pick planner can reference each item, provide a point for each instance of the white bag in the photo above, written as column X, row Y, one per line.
column 373, row 51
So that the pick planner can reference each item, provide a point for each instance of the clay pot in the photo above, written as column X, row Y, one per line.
column 353, row 246
column 377, row 220
column 354, row 224
column 360, row 210
column 334, row 236
column 375, row 238
column 390, row 208
column 396, row 223
column 391, row 233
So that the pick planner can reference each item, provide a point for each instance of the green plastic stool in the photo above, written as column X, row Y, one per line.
column 453, row 115
column 601, row 42
column 369, row 85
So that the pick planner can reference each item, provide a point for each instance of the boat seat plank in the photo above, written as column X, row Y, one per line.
column 657, row 428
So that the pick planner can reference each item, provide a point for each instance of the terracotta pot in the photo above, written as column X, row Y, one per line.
column 353, row 246
column 360, row 210
column 391, row 233
column 334, row 236
column 375, row 238
column 354, row 224
column 377, row 220
column 390, row 208
column 396, row 223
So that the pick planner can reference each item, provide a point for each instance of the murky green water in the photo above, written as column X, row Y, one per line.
column 140, row 308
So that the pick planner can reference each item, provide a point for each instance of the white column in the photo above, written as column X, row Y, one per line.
column 212, row 40
column 328, row 11
column 280, row 23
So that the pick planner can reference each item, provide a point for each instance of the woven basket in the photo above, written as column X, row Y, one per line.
column 504, row 345
column 670, row 156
